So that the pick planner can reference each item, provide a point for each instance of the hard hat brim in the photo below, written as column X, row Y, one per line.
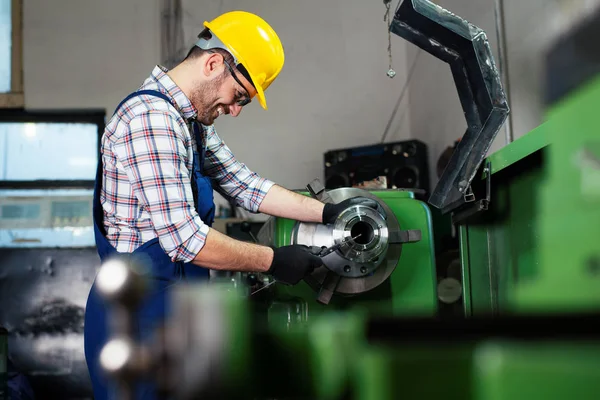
column 260, row 94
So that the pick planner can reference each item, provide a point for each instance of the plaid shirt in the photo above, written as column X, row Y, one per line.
column 147, row 152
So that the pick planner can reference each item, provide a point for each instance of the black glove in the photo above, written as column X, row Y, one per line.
column 292, row 263
column 332, row 211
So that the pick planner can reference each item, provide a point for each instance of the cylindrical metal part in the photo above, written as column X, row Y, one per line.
column 364, row 262
column 120, row 280
column 364, row 233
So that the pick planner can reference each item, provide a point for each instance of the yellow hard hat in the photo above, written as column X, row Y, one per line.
column 255, row 46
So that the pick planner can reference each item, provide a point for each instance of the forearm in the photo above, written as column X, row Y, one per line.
column 221, row 252
column 281, row 202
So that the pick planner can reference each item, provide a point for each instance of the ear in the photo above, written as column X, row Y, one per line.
column 212, row 64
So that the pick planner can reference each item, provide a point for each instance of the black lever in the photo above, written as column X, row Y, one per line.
column 247, row 228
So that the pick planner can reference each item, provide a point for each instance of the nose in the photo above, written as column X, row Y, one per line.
column 235, row 110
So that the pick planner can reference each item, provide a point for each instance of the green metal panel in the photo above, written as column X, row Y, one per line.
column 536, row 248
column 569, row 210
column 487, row 370
column 525, row 371
column 410, row 290
column 414, row 371
column 466, row 271
column 310, row 361
column 519, row 149
column 335, row 357
column 499, row 247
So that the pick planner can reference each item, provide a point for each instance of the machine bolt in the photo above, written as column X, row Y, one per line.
column 347, row 269
column 363, row 270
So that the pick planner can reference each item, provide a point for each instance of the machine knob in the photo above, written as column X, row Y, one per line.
column 120, row 280
column 247, row 228
column 122, row 359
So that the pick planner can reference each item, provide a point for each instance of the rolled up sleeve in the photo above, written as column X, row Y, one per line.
column 234, row 179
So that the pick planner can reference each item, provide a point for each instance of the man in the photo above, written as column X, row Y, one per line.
column 161, row 158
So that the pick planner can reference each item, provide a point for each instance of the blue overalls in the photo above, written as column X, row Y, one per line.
column 164, row 273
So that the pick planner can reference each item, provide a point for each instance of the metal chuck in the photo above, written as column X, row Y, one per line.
column 368, row 245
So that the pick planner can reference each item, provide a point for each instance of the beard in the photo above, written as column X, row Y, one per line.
column 205, row 99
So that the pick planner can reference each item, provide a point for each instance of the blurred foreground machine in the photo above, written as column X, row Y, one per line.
column 363, row 325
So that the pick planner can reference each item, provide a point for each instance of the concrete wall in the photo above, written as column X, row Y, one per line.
column 333, row 91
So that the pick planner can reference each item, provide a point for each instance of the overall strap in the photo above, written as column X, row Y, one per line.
column 148, row 92
column 200, row 145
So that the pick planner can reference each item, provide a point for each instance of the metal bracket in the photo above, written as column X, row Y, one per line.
column 480, row 205
column 328, row 288
column 409, row 236
column 467, row 51
column 317, row 191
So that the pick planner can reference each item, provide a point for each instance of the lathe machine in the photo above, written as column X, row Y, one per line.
column 365, row 325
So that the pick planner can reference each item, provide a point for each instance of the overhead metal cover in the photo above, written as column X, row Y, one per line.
column 466, row 49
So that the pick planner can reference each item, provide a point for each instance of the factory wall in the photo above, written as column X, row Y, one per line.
column 530, row 27
column 333, row 91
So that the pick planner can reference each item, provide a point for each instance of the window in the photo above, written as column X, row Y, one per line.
column 11, row 71
column 48, row 166
column 47, row 159
column 46, row 218
column 49, row 149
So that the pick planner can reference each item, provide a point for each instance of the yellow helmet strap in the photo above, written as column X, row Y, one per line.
column 207, row 41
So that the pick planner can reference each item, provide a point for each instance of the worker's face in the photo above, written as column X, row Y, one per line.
column 227, row 91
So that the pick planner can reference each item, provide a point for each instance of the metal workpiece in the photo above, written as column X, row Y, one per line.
column 400, row 279
column 358, row 257
column 359, row 264
column 368, row 246
column 466, row 49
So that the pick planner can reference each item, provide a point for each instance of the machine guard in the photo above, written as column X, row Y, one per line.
column 466, row 49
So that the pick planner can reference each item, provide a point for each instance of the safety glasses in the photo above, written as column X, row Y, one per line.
column 245, row 99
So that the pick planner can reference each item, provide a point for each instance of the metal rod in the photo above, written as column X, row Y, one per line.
column 264, row 287
column 401, row 97
column 503, row 64
column 333, row 248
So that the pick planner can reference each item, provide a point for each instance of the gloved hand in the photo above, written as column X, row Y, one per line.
column 292, row 263
column 332, row 211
